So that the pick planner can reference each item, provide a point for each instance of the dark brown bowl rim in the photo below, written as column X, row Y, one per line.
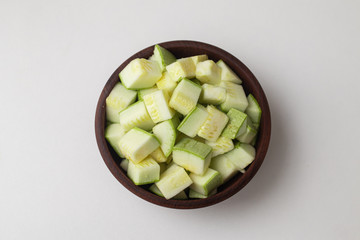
column 231, row 187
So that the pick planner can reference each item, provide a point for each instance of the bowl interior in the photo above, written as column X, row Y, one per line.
column 251, row 85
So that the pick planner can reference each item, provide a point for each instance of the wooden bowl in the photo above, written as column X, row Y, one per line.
column 251, row 85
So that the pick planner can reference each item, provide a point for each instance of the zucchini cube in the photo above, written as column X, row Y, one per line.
column 158, row 155
column 146, row 91
column 136, row 115
column 182, row 68
column 137, row 144
column 199, row 58
column 227, row 74
column 207, row 182
column 253, row 109
column 211, row 94
column 191, row 124
column 157, row 106
column 140, row 73
column 242, row 155
column 224, row 166
column 113, row 133
column 118, row 99
column 144, row 172
column 208, row 72
column 173, row 181
column 236, row 125
column 192, row 155
column 166, row 83
column 214, row 124
column 185, row 96
column 163, row 57
column 220, row 146
column 249, row 134
column 235, row 97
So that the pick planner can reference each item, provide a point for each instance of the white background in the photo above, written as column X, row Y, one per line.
column 55, row 57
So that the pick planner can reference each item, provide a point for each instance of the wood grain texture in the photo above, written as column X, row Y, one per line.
column 251, row 85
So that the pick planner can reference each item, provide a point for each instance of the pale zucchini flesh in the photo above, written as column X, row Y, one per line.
column 235, row 126
column 182, row 68
column 208, row 72
column 163, row 57
column 211, row 94
column 157, row 106
column 185, row 96
column 205, row 183
column 144, row 172
column 166, row 133
column 143, row 92
column 138, row 144
column 118, row 99
column 192, row 155
column 235, row 97
column 166, row 83
column 113, row 133
column 140, row 73
column 227, row 74
column 220, row 146
column 253, row 109
column 213, row 125
column 136, row 115
column 191, row 124
column 224, row 166
column 173, row 181
column 242, row 155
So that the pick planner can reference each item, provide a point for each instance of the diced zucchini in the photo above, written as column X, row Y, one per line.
column 235, row 97
column 144, row 172
column 191, row 124
column 118, row 99
column 140, row 73
column 137, row 144
column 248, row 135
column 208, row 72
column 124, row 164
column 227, row 74
column 113, row 133
column 192, row 155
column 166, row 83
column 158, row 155
column 182, row 68
column 242, row 155
column 236, row 125
column 194, row 194
column 221, row 145
column 211, row 94
column 136, row 115
column 163, row 57
column 199, row 58
column 154, row 189
column 180, row 196
column 224, row 166
column 185, row 96
column 213, row 125
column 173, row 181
column 253, row 109
column 157, row 106
column 143, row 92
column 166, row 133
column 205, row 183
